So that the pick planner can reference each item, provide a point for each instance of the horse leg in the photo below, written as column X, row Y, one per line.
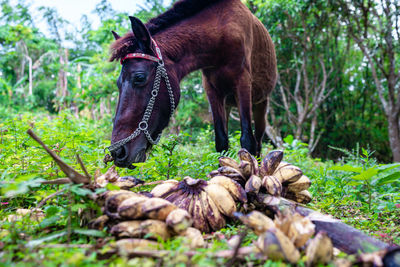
column 243, row 95
column 259, row 123
column 217, row 103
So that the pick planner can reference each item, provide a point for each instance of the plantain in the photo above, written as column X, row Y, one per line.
column 131, row 208
column 253, row 184
column 99, row 223
column 179, row 220
column 271, row 162
column 222, row 199
column 112, row 203
column 149, row 228
column 256, row 221
column 272, row 185
column 235, row 189
column 194, row 237
column 229, row 162
column 301, row 229
column 244, row 155
column 302, row 184
column 319, row 250
column 287, row 173
column 303, row 197
column 211, row 212
column 157, row 208
column 274, row 244
column 199, row 220
column 246, row 168
column 164, row 188
column 127, row 182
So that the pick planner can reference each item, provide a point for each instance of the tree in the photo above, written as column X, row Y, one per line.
column 374, row 27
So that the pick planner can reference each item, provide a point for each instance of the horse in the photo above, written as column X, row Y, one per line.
column 224, row 40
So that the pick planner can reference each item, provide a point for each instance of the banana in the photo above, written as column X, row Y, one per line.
column 150, row 228
column 211, row 212
column 164, row 188
column 253, row 184
column 213, row 173
column 194, row 236
column 179, row 220
column 222, row 199
column 127, row 182
column 231, row 173
column 227, row 161
column 257, row 221
column 182, row 200
column 131, row 208
column 302, row 184
column 303, row 197
column 99, row 223
column 271, row 162
column 246, row 168
column 272, row 185
column 113, row 202
column 301, row 230
column 157, row 208
column 199, row 220
column 274, row 244
column 320, row 250
column 244, row 155
column 287, row 173
column 235, row 189
column 128, row 245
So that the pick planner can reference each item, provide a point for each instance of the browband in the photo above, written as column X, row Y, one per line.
column 145, row 56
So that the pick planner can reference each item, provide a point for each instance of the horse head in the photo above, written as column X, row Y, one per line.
column 146, row 100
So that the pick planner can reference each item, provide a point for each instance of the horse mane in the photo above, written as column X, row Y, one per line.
column 179, row 11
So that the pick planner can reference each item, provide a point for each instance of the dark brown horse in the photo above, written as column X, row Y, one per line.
column 223, row 39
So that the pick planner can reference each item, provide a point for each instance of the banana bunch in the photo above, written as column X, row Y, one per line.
column 209, row 203
column 284, row 237
column 133, row 216
column 272, row 176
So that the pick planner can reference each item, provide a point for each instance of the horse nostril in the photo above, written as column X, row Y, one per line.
column 120, row 153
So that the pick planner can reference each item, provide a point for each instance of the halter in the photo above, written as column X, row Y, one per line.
column 143, row 124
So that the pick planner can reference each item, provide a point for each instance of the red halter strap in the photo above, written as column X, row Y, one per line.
column 145, row 56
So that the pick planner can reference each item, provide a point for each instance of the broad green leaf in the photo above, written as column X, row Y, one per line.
column 387, row 167
column 39, row 241
column 89, row 232
column 346, row 168
column 110, row 187
column 365, row 175
column 394, row 177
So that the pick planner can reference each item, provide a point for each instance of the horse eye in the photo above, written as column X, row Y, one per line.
column 139, row 78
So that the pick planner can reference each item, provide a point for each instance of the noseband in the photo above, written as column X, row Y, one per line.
column 143, row 124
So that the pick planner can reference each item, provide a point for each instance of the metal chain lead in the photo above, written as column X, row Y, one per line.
column 143, row 124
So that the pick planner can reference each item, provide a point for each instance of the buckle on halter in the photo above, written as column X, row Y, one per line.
column 144, row 127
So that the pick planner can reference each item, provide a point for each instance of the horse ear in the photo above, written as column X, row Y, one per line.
column 141, row 32
column 116, row 35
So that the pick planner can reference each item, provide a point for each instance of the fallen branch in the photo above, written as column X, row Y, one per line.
column 72, row 174
column 41, row 203
column 151, row 183
column 58, row 181
column 78, row 158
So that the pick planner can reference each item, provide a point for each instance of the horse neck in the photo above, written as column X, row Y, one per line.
column 184, row 48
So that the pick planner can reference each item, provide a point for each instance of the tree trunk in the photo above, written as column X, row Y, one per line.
column 394, row 136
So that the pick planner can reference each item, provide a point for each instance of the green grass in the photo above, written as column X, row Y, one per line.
column 23, row 164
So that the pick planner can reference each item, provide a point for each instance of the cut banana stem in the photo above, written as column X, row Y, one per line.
column 179, row 220
column 222, row 199
column 229, row 162
column 194, row 237
column 320, row 250
column 303, row 197
column 302, row 184
column 274, row 244
column 256, row 221
column 233, row 187
column 149, row 228
column 287, row 173
column 165, row 187
column 271, row 162
column 272, row 185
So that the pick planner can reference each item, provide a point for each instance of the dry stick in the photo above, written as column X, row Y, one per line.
column 78, row 158
column 41, row 203
column 150, row 183
column 58, row 181
column 75, row 176
column 242, row 235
